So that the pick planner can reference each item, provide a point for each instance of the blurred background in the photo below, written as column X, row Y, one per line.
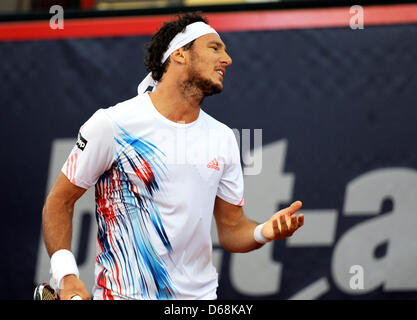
column 27, row 6
column 327, row 89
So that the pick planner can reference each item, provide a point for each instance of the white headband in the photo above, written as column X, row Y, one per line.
column 192, row 31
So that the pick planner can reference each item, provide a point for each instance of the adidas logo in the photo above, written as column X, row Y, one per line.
column 213, row 164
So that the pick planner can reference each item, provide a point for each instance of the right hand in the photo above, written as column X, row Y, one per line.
column 72, row 286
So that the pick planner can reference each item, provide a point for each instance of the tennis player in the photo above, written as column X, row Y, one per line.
column 162, row 168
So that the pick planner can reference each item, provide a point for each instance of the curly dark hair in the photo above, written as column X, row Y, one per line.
column 161, row 39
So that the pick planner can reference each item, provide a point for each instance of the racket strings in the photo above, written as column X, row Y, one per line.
column 45, row 292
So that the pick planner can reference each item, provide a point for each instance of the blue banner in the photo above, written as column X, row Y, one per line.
column 331, row 113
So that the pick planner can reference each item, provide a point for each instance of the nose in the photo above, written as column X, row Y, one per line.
column 226, row 59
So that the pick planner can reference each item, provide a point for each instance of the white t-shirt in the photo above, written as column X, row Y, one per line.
column 155, row 182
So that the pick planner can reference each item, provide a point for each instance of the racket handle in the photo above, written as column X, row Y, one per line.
column 76, row 298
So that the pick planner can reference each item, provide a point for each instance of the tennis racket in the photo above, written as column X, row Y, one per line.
column 44, row 291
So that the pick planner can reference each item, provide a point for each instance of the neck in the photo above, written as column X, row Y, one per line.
column 178, row 101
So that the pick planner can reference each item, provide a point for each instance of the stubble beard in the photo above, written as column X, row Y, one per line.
column 198, row 85
column 206, row 86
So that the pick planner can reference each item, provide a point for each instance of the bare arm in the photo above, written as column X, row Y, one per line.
column 236, row 230
column 57, row 229
column 57, row 214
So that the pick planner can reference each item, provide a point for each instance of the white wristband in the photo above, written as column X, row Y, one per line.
column 257, row 234
column 62, row 264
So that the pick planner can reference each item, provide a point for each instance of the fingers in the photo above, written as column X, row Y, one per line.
column 84, row 295
column 75, row 295
column 283, row 224
column 293, row 221
column 279, row 227
column 300, row 220
column 294, row 207
column 275, row 228
column 71, row 286
column 293, row 224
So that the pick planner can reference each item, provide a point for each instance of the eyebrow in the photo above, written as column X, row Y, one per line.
column 219, row 44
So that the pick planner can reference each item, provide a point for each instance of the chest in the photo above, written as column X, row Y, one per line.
column 172, row 159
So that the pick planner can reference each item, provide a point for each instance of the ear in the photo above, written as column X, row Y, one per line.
column 179, row 56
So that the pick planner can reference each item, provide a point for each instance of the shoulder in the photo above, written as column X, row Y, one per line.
column 133, row 110
column 98, row 127
column 103, row 120
column 123, row 107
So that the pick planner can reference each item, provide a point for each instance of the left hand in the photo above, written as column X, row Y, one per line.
column 72, row 286
column 283, row 223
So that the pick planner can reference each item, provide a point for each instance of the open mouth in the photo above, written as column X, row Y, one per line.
column 221, row 72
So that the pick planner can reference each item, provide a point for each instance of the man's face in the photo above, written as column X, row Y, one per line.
column 208, row 63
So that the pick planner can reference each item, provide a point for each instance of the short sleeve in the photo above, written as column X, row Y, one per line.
column 93, row 153
column 231, row 187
